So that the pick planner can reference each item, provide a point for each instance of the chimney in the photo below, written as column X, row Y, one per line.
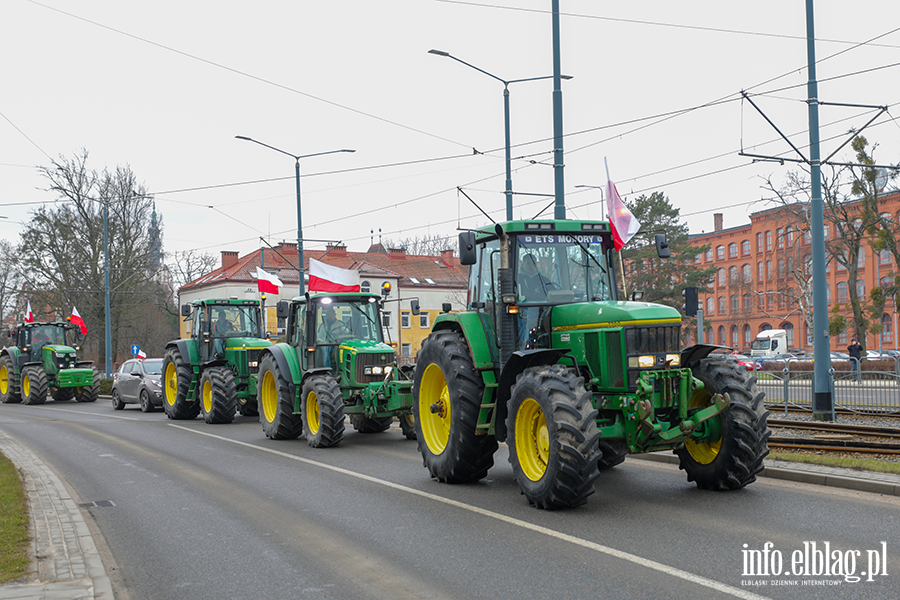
column 397, row 253
column 447, row 256
column 287, row 246
column 339, row 250
column 229, row 258
column 717, row 222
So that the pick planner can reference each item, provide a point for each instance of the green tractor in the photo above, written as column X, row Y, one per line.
column 335, row 362
column 213, row 373
column 44, row 359
column 550, row 360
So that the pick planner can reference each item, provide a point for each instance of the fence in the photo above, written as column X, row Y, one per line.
column 872, row 387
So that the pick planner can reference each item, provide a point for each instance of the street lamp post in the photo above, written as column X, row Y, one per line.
column 509, row 192
column 296, row 158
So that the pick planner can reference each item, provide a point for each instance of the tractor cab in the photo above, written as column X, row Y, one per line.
column 32, row 338
column 219, row 325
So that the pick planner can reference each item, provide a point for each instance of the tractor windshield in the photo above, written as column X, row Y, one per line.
column 561, row 269
column 47, row 335
column 346, row 320
column 235, row 321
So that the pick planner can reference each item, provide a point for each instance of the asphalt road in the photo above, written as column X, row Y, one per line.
column 201, row 511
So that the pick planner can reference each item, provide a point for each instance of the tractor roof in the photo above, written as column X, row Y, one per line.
column 538, row 227
column 225, row 302
column 56, row 323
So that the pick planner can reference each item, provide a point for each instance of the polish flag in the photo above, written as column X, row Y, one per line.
column 325, row 278
column 141, row 355
column 29, row 316
column 621, row 221
column 267, row 282
column 76, row 319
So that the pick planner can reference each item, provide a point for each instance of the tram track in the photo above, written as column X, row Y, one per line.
column 834, row 437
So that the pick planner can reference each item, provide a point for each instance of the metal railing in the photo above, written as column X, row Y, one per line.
column 854, row 387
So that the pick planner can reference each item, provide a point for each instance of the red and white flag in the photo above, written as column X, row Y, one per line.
column 76, row 319
column 29, row 316
column 267, row 282
column 325, row 278
column 621, row 221
column 141, row 355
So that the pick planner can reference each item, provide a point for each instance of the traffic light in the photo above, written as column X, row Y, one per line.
column 690, row 301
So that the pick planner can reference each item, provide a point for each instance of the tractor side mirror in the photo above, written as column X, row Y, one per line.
column 662, row 246
column 414, row 306
column 467, row 255
column 185, row 310
column 283, row 309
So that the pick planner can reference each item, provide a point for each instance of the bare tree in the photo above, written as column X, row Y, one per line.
column 184, row 267
column 10, row 282
column 426, row 245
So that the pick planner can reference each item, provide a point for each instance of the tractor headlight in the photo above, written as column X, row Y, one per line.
column 253, row 364
column 642, row 362
column 376, row 370
column 60, row 355
column 673, row 360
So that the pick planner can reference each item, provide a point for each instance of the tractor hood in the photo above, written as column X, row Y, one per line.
column 249, row 343
column 366, row 347
column 594, row 315
column 60, row 349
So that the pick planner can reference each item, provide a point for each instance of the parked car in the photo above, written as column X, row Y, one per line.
column 138, row 381
column 780, row 359
column 745, row 361
column 840, row 356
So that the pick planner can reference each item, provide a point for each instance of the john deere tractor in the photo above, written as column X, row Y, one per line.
column 213, row 373
column 335, row 362
column 42, row 359
column 550, row 360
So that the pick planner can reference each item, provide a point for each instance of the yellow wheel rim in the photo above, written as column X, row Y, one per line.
column 269, row 393
column 207, row 396
column 26, row 385
column 532, row 439
column 434, row 409
column 171, row 380
column 312, row 413
column 4, row 380
column 703, row 452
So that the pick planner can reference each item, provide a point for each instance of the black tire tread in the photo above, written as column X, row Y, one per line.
column 224, row 395
column 37, row 385
column 331, row 411
column 89, row 393
column 13, row 393
column 286, row 425
column 182, row 409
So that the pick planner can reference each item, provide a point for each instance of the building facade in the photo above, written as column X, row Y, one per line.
column 432, row 280
column 762, row 270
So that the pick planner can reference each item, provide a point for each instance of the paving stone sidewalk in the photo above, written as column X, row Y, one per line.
column 65, row 562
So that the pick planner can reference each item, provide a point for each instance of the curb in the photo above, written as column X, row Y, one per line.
column 65, row 562
column 816, row 477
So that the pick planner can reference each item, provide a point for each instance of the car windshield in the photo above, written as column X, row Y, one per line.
column 561, row 268
column 153, row 366
column 761, row 344
column 235, row 321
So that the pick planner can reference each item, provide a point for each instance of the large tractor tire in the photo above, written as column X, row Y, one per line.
column 63, row 394
column 553, row 437
column 364, row 424
column 177, row 375
column 89, row 393
column 322, row 408
column 248, row 407
column 408, row 426
column 447, row 396
column 735, row 458
column 612, row 453
column 8, row 392
column 34, row 385
column 218, row 395
column 276, row 406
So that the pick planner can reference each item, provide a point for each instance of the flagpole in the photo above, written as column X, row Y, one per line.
column 621, row 261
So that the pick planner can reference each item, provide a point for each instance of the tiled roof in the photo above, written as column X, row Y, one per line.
column 443, row 270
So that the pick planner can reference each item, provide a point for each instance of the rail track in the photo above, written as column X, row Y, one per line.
column 834, row 437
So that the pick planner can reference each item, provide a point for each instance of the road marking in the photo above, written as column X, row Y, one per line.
column 81, row 412
column 633, row 558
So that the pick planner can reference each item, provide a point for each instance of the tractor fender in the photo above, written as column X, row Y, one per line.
column 188, row 351
column 13, row 353
column 517, row 363
column 694, row 354
column 471, row 326
column 289, row 368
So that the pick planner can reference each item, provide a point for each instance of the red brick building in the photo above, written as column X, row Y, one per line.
column 755, row 286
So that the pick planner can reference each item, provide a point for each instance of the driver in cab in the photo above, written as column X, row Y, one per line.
column 532, row 285
column 332, row 328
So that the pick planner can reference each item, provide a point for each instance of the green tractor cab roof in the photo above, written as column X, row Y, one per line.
column 546, row 226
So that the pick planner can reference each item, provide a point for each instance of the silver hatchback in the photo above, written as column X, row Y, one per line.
column 138, row 381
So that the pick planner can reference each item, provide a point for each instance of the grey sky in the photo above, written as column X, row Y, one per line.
column 165, row 86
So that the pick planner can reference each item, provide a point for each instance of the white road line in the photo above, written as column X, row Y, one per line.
column 81, row 412
column 633, row 558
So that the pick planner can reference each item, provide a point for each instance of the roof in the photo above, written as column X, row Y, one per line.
column 412, row 271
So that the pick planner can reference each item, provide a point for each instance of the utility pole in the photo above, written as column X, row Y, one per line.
column 559, row 211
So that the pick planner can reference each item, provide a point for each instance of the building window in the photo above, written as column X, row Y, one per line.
column 780, row 267
column 861, row 259
column 404, row 319
column 721, row 277
column 406, row 351
column 760, row 271
column 745, row 248
column 886, row 282
column 759, row 242
column 424, row 320
column 790, row 237
column 709, row 255
column 698, row 259
column 747, row 339
column 761, row 301
column 723, row 307
column 732, row 250
column 887, row 329
column 722, row 340
column 770, row 302
column 386, row 319
column 884, row 257
column 843, row 292
column 861, row 289
column 768, row 269
column 710, row 306
column 733, row 275
column 747, row 302
column 765, row 327
column 734, row 336
column 779, row 238
column 768, row 241
column 746, row 274
column 734, row 303
column 789, row 333
column 720, row 252
column 365, row 287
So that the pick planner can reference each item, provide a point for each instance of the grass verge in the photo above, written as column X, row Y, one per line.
column 13, row 523
column 838, row 461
